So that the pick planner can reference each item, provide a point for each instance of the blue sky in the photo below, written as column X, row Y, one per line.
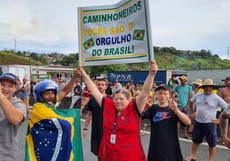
column 51, row 25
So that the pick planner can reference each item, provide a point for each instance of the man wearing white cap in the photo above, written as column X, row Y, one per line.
column 12, row 113
column 205, row 118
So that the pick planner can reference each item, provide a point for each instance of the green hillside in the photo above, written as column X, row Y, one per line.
column 8, row 58
column 170, row 61
column 167, row 58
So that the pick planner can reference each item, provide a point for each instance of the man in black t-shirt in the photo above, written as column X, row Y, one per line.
column 95, row 113
column 164, row 143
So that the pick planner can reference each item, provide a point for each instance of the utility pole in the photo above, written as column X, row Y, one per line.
column 15, row 45
column 228, row 56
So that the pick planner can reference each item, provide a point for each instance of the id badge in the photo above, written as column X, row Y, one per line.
column 112, row 138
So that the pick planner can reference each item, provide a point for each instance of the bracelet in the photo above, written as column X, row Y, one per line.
column 85, row 129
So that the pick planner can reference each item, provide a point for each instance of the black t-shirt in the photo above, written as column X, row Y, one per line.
column 97, row 124
column 164, row 144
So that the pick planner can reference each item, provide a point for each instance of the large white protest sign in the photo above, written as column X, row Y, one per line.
column 115, row 34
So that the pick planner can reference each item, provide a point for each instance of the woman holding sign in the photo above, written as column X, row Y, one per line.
column 121, row 120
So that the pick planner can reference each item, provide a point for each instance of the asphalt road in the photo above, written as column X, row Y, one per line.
column 222, row 154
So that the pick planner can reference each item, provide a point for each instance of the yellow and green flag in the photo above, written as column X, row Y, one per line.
column 53, row 134
column 139, row 35
column 88, row 43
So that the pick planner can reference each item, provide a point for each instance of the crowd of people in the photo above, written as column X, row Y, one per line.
column 117, row 112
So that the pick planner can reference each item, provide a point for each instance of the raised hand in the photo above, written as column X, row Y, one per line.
column 153, row 67
column 80, row 72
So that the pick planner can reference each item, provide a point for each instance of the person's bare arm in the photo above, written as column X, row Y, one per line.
column 88, row 118
column 182, row 116
column 191, row 106
column 221, row 93
column 91, row 86
column 68, row 88
column 189, row 100
column 224, row 128
column 188, row 103
column 11, row 113
column 142, row 97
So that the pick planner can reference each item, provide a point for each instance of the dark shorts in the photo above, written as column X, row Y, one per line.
column 182, row 110
column 207, row 130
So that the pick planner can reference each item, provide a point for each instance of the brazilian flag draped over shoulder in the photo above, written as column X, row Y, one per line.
column 53, row 134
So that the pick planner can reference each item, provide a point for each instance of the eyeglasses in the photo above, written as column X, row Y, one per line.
column 118, row 99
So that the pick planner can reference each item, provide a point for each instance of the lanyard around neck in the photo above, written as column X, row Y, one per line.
column 115, row 123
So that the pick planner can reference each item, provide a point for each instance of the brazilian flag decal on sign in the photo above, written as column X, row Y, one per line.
column 138, row 34
column 53, row 134
column 88, row 43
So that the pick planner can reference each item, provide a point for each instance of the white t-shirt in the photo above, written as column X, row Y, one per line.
column 227, row 110
column 206, row 106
